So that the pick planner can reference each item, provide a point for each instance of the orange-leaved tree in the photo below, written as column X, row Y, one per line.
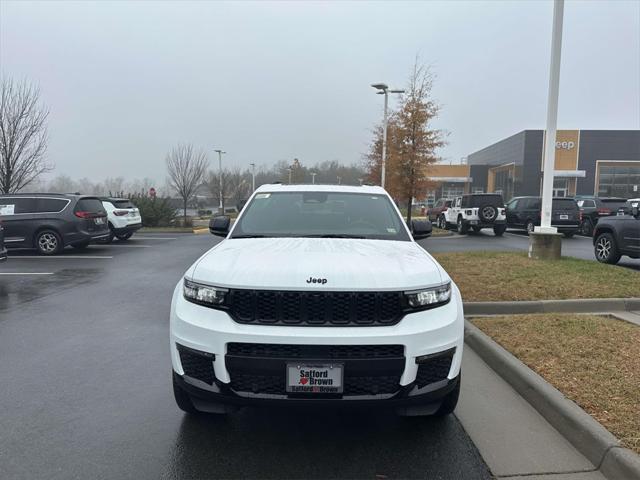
column 411, row 141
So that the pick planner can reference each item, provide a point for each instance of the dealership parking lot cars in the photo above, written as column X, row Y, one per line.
column 525, row 212
column 477, row 211
column 49, row 222
column 3, row 249
column 593, row 208
column 618, row 235
column 317, row 295
column 123, row 216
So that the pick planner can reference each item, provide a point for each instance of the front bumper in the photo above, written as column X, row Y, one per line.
column 216, row 399
column 431, row 333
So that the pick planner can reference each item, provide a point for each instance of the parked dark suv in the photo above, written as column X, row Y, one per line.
column 524, row 213
column 3, row 249
column 618, row 235
column 435, row 214
column 594, row 208
column 49, row 222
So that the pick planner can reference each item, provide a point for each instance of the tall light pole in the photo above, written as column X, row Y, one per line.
column 253, row 177
column 552, row 120
column 544, row 241
column 220, row 152
column 383, row 89
column 290, row 170
column 339, row 180
column 313, row 178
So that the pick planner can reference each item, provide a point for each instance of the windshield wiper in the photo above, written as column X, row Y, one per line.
column 333, row 235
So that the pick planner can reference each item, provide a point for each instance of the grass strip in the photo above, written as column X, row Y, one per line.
column 593, row 360
column 507, row 276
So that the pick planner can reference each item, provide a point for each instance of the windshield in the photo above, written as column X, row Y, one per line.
column 613, row 203
column 320, row 214
column 122, row 204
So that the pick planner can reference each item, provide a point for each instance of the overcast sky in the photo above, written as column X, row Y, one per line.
column 271, row 81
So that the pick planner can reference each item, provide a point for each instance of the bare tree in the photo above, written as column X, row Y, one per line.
column 23, row 135
column 186, row 171
column 213, row 184
column 239, row 186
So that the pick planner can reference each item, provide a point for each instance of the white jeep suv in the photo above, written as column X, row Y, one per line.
column 478, row 211
column 318, row 294
column 123, row 216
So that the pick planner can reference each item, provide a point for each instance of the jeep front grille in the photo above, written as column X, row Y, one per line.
column 266, row 307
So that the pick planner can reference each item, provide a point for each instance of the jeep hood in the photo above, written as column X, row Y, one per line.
column 290, row 263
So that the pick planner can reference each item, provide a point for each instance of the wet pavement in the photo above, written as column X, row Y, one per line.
column 86, row 388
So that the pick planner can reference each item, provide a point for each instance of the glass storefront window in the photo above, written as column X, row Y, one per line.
column 619, row 180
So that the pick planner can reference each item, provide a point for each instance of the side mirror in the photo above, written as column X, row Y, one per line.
column 421, row 229
column 220, row 225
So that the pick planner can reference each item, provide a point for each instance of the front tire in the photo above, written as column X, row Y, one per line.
column 450, row 400
column 476, row 228
column 530, row 227
column 606, row 250
column 463, row 229
column 48, row 242
column 568, row 234
column 586, row 228
column 124, row 236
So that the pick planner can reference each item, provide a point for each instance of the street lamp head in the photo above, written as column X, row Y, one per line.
column 396, row 91
column 220, row 151
column 380, row 86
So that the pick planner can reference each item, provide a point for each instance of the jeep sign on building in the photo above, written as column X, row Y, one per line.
column 588, row 162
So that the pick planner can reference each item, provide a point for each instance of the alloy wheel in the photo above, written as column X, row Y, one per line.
column 530, row 227
column 603, row 248
column 47, row 242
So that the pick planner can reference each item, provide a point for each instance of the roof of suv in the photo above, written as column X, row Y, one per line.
column 278, row 187
column 45, row 194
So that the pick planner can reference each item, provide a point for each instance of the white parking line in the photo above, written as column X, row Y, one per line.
column 26, row 273
column 43, row 257
column 129, row 246
column 142, row 237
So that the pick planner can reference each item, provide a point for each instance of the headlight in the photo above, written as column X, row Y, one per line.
column 203, row 294
column 429, row 297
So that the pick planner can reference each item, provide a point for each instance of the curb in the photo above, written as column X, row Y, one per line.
column 200, row 231
column 588, row 436
column 583, row 305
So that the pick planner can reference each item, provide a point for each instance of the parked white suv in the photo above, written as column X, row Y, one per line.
column 478, row 211
column 318, row 294
column 123, row 216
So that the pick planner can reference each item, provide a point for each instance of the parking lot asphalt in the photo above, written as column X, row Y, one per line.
column 578, row 246
column 86, row 387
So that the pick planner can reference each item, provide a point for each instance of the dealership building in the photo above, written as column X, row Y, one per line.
column 588, row 162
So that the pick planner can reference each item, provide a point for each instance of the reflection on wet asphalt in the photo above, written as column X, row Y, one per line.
column 303, row 443
column 15, row 290
column 86, row 391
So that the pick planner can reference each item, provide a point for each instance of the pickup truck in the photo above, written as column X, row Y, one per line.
column 478, row 211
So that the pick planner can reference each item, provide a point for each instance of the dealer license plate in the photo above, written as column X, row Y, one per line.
column 314, row 377
column 564, row 217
